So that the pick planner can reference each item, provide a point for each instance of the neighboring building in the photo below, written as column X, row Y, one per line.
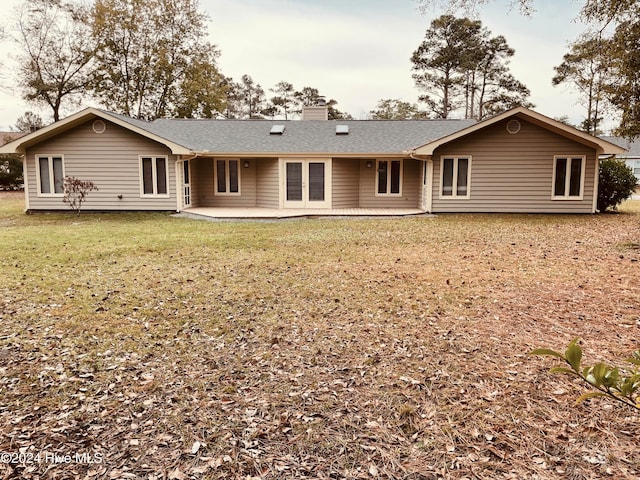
column 631, row 156
column 6, row 137
column 518, row 161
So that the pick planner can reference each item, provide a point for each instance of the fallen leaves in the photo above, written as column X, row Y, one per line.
column 328, row 349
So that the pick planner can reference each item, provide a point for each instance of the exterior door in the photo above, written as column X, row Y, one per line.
column 424, row 185
column 306, row 184
column 186, row 184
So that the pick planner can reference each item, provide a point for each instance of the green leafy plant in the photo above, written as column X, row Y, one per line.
column 75, row 192
column 617, row 183
column 620, row 384
column 11, row 172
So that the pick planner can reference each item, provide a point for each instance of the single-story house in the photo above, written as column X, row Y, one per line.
column 631, row 156
column 517, row 161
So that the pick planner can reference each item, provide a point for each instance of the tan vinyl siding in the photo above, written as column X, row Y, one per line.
column 315, row 113
column 345, row 183
column 410, row 187
column 201, row 180
column 267, row 183
column 513, row 172
column 111, row 160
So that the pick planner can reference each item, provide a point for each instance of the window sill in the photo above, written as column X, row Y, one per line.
column 50, row 195
column 567, row 199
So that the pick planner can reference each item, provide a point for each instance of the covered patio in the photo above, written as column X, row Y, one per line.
column 274, row 213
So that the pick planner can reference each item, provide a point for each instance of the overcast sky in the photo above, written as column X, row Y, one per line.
column 357, row 51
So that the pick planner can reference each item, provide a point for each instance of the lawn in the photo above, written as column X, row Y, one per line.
column 154, row 347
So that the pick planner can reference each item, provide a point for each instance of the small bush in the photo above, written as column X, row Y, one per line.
column 75, row 191
column 616, row 184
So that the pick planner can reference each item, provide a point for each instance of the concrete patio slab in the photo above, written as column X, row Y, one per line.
column 276, row 213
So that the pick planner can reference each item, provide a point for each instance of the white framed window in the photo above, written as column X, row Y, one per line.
column 50, row 172
column 389, row 177
column 568, row 177
column 455, row 177
column 227, row 176
column 154, row 176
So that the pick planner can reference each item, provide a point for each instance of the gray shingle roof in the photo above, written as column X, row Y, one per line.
column 252, row 136
column 633, row 147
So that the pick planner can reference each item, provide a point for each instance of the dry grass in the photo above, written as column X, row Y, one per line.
column 396, row 348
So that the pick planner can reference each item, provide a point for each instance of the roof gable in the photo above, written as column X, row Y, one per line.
column 138, row 126
column 600, row 145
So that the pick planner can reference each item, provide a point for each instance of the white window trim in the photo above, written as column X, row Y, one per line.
column 154, row 174
column 51, row 179
column 389, row 194
column 567, row 180
column 227, row 178
column 454, row 185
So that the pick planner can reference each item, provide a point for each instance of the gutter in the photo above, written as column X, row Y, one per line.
column 275, row 154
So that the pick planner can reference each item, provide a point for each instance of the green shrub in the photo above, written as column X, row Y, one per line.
column 616, row 184
column 10, row 172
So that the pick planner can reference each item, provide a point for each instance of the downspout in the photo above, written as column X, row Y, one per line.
column 180, row 188
column 429, row 185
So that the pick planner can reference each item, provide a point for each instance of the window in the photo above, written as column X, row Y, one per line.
column 455, row 177
column 568, row 178
column 155, row 177
column 389, row 179
column 50, row 171
column 227, row 173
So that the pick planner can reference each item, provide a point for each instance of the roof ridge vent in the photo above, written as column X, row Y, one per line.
column 276, row 129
